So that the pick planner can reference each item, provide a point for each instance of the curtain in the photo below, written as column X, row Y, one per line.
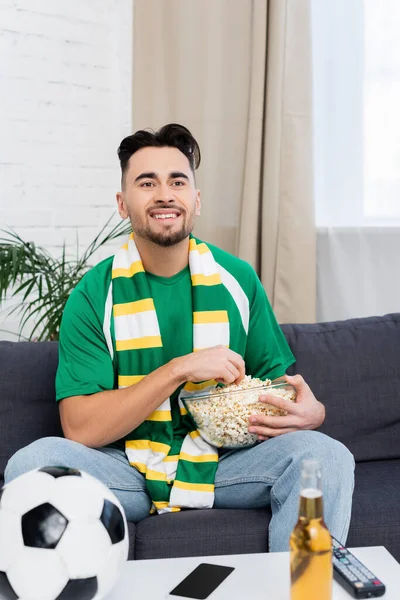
column 238, row 75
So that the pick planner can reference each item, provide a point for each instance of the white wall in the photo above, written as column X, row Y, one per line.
column 65, row 104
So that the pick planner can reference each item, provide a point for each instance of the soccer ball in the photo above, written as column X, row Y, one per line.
column 63, row 536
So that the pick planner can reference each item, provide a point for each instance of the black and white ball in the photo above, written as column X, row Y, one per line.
column 63, row 536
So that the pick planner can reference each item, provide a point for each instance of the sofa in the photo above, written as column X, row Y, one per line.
column 352, row 366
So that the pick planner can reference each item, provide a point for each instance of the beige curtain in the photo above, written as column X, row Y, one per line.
column 238, row 74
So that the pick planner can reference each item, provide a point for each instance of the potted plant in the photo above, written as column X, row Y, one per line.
column 46, row 282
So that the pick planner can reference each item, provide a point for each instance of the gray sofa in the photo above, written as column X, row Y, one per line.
column 352, row 366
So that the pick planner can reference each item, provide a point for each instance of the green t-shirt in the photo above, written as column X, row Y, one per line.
column 85, row 363
column 173, row 302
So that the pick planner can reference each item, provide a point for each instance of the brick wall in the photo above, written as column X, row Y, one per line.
column 65, row 104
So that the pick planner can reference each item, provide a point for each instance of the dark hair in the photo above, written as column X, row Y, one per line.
column 173, row 135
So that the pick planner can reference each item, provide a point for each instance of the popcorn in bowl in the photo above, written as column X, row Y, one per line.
column 222, row 415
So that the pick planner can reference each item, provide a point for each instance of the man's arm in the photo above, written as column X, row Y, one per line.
column 102, row 418
column 99, row 419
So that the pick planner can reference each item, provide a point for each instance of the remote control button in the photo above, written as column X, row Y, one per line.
column 368, row 573
column 358, row 574
column 359, row 585
column 377, row 582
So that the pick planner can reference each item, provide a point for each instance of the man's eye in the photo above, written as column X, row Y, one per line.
column 178, row 183
column 147, row 184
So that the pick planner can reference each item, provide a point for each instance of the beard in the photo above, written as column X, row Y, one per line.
column 165, row 238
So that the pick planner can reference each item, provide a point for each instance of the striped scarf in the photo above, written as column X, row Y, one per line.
column 179, row 472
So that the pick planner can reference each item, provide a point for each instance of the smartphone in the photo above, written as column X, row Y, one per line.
column 201, row 582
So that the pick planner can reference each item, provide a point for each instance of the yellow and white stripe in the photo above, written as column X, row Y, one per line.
column 136, row 325
column 210, row 328
column 194, row 495
column 191, row 495
column 203, row 269
column 151, row 459
column 164, row 507
column 163, row 412
column 125, row 381
column 143, row 448
column 195, row 449
column 127, row 261
column 166, row 466
column 196, row 388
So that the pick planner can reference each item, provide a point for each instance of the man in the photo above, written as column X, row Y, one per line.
column 164, row 317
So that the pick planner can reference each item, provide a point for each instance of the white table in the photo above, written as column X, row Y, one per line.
column 256, row 576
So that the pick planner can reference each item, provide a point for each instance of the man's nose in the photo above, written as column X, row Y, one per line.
column 164, row 194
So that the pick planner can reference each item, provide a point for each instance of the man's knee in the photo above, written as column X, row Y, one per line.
column 333, row 455
column 41, row 453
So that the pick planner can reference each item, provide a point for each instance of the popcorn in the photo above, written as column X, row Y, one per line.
column 223, row 417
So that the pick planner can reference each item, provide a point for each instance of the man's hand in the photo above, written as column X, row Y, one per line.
column 219, row 363
column 305, row 413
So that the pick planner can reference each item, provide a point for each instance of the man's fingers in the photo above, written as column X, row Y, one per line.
column 234, row 371
column 268, row 433
column 274, row 422
column 242, row 371
column 279, row 402
column 234, row 361
column 238, row 363
column 297, row 381
column 231, row 373
column 235, row 358
column 241, row 375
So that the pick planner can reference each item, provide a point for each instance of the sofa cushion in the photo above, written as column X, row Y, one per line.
column 132, row 534
column 376, row 508
column 28, row 410
column 353, row 367
column 202, row 533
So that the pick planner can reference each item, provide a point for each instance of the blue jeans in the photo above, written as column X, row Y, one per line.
column 267, row 474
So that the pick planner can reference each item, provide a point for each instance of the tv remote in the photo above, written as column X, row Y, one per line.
column 350, row 573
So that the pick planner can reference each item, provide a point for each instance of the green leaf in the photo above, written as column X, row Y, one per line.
column 28, row 268
column 27, row 286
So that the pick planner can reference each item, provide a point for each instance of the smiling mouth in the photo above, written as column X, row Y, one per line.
column 165, row 215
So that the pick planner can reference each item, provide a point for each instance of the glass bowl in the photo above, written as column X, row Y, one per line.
column 222, row 417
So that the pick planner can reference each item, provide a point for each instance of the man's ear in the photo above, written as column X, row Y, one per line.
column 121, row 205
column 198, row 204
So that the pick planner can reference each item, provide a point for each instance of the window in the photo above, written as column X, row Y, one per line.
column 382, row 109
column 356, row 64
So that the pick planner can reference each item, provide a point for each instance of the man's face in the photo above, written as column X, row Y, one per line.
column 159, row 195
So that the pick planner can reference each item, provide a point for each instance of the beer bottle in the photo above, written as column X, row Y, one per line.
column 310, row 542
